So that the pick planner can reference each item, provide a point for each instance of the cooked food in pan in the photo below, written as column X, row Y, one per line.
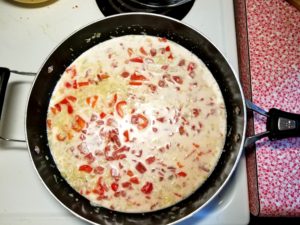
column 136, row 123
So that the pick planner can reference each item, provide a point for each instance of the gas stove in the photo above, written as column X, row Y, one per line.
column 28, row 35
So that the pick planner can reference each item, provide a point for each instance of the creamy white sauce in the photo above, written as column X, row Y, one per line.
column 136, row 123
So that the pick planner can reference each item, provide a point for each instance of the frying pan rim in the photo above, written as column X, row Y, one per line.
column 244, row 111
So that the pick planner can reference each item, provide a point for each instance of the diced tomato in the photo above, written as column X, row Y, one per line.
column 125, row 74
column 113, row 101
column 134, row 83
column 147, row 188
column 143, row 51
column 126, row 184
column 98, row 170
column 126, row 135
column 68, row 85
column 90, row 158
column 181, row 62
column 72, row 71
column 71, row 98
column 168, row 48
column 181, row 130
column 181, row 174
column 191, row 66
column 102, row 76
column 130, row 173
column 114, row 186
column 150, row 159
column 86, row 168
column 119, row 109
column 102, row 115
column 140, row 120
column 153, row 52
column 137, row 60
column 75, row 85
column 135, row 76
column 196, row 112
column 152, row 87
column 61, row 137
column 83, row 83
column 161, row 83
column 79, row 124
column 161, row 119
column 134, row 180
column 179, row 165
column 178, row 79
column 170, row 56
column 92, row 100
column 140, row 167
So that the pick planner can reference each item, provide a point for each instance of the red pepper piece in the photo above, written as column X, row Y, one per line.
column 137, row 60
column 147, row 188
column 143, row 51
column 134, row 180
column 79, row 124
column 126, row 135
column 60, row 137
column 191, row 66
column 102, row 115
column 90, row 158
column 125, row 74
column 86, row 168
column 181, row 174
column 98, row 170
column 134, row 83
column 150, row 159
column 83, row 83
column 135, row 76
column 196, row 112
column 170, row 56
column 72, row 71
column 178, row 79
column 119, row 109
column 68, row 85
column 92, row 100
column 152, row 87
column 113, row 101
column 114, row 186
column 153, row 52
column 102, row 76
column 168, row 48
column 140, row 167
column 181, row 130
column 140, row 120
column 130, row 173
column 126, row 184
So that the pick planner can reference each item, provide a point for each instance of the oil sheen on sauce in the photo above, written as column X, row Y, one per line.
column 136, row 123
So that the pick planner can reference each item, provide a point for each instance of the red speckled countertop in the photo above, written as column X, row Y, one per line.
column 268, row 34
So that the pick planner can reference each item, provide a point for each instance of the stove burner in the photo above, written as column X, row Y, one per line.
column 173, row 8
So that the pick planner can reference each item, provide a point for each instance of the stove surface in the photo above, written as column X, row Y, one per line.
column 28, row 36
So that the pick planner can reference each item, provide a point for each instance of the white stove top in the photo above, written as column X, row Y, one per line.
column 28, row 36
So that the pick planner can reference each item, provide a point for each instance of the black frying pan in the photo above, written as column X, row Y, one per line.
column 82, row 40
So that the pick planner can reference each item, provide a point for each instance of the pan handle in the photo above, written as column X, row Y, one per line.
column 4, row 77
column 280, row 124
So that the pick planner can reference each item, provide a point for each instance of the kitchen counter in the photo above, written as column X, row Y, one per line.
column 268, row 34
